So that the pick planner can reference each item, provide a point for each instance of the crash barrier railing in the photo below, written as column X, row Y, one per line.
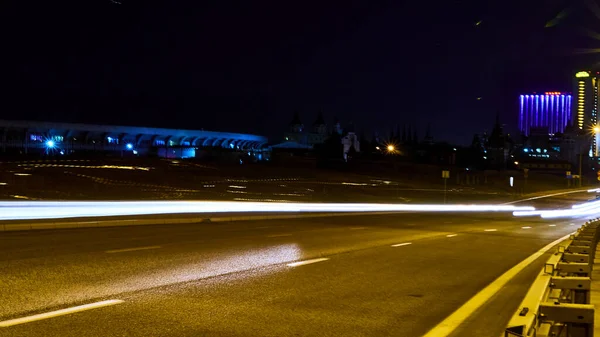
column 558, row 302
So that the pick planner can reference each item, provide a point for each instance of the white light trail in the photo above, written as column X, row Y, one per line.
column 20, row 210
column 578, row 210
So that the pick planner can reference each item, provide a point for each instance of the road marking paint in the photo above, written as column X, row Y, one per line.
column 526, row 227
column 278, row 235
column 402, row 244
column 490, row 230
column 451, row 235
column 302, row 263
column 57, row 313
column 552, row 225
column 124, row 250
column 357, row 228
column 448, row 325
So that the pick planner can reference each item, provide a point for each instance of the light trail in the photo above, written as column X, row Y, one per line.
column 23, row 210
column 577, row 210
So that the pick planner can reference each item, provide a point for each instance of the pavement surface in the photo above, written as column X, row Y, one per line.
column 363, row 275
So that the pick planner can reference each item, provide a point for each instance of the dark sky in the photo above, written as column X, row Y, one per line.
column 247, row 66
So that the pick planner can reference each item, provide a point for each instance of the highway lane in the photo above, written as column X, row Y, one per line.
column 231, row 279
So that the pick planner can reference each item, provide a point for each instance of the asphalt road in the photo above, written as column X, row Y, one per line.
column 232, row 279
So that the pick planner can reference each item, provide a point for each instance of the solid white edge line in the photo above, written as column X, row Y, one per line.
column 402, row 244
column 451, row 235
column 302, row 263
column 57, row 313
column 448, row 325
column 124, row 250
column 490, row 230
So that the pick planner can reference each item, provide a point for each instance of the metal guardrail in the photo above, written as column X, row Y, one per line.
column 558, row 302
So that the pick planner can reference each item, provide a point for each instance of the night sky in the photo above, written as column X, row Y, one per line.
column 247, row 66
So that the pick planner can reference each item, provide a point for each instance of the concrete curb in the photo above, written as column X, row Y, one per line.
column 192, row 220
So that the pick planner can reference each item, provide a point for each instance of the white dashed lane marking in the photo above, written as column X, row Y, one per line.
column 278, row 235
column 302, row 263
column 451, row 235
column 131, row 249
column 57, row 313
column 490, row 230
column 402, row 244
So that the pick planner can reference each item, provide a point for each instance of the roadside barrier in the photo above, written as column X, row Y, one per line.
column 558, row 302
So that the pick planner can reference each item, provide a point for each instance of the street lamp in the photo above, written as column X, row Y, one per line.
column 391, row 148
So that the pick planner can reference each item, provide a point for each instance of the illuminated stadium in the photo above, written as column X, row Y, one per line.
column 46, row 138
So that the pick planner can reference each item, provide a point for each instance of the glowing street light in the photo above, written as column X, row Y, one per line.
column 596, row 129
column 391, row 148
column 50, row 144
column 129, row 146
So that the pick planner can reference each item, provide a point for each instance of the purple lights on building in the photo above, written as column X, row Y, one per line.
column 551, row 110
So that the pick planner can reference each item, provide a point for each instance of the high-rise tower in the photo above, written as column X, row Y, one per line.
column 585, row 111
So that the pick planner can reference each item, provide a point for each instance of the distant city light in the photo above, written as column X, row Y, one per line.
column 391, row 148
column 129, row 146
column 50, row 144
column 582, row 74
column 596, row 129
column 516, row 163
column 553, row 93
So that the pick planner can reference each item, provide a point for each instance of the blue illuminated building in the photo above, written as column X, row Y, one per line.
column 551, row 110
column 28, row 137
